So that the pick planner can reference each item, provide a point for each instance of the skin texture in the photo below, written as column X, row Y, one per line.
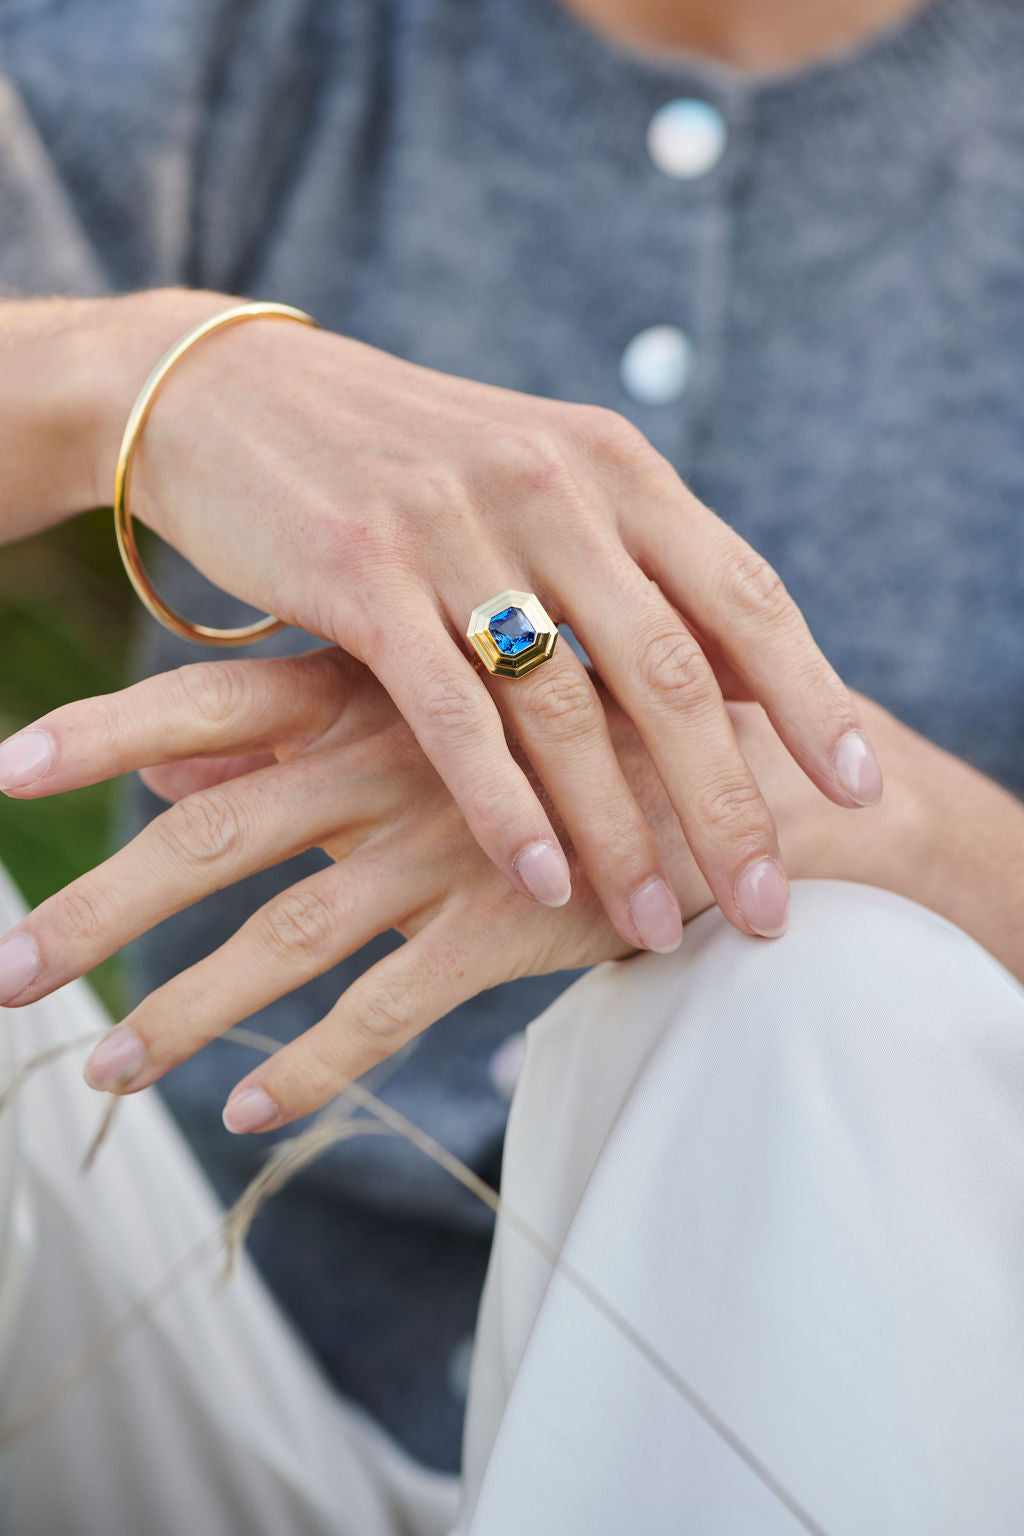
column 747, row 34
column 376, row 503
column 451, row 490
column 274, row 757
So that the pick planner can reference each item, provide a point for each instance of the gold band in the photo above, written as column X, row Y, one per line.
column 123, row 526
column 512, row 634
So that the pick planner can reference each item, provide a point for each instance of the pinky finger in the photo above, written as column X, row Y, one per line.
column 396, row 999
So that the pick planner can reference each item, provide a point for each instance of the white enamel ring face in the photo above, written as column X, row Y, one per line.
column 512, row 634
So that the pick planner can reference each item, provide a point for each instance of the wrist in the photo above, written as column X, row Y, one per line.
column 48, row 409
column 113, row 350
column 956, row 845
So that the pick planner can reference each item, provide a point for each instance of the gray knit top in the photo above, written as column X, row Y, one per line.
column 807, row 291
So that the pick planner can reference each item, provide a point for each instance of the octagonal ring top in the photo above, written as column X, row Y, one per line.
column 512, row 633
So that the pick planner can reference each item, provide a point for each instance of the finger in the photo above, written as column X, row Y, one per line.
column 173, row 781
column 198, row 846
column 459, row 728
column 395, row 1000
column 740, row 604
column 653, row 665
column 561, row 723
column 209, row 708
column 295, row 937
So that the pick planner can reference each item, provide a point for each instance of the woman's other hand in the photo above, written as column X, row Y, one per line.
column 377, row 503
column 268, row 758
column 273, row 758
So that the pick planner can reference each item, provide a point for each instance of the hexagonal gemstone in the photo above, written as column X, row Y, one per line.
column 513, row 633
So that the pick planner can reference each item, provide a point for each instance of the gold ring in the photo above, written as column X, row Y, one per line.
column 124, row 528
column 512, row 633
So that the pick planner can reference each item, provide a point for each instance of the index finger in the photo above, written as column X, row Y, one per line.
column 210, row 708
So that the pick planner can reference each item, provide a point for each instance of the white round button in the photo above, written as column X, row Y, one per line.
column 687, row 138
column 656, row 365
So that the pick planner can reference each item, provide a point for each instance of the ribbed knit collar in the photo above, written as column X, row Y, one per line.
column 906, row 81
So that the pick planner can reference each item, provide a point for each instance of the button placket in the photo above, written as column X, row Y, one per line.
column 686, row 139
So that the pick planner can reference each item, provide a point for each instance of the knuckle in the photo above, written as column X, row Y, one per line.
column 213, row 690
column 356, row 559
column 203, row 828
column 613, row 442
column 351, row 621
column 438, row 497
column 299, row 924
column 674, row 671
column 733, row 810
column 386, row 1018
column 607, row 434
column 534, row 463
column 754, row 586
column 82, row 914
column 450, row 705
column 563, row 704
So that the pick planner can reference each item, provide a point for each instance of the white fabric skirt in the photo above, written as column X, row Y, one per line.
column 786, row 1181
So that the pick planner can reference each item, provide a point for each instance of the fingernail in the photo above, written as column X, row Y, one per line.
column 115, row 1061
column 857, row 769
column 26, row 758
column 19, row 966
column 658, row 919
column 543, row 870
column 763, row 897
column 250, row 1110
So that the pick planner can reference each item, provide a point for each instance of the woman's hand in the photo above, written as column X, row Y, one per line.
column 945, row 835
column 377, row 503
column 319, row 756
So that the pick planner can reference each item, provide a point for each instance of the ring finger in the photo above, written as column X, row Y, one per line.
column 557, row 716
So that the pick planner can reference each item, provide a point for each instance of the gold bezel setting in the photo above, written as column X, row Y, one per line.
column 505, row 663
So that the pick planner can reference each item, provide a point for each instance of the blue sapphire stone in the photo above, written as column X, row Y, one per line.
column 512, row 632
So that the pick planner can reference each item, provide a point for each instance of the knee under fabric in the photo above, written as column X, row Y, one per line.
column 797, row 1170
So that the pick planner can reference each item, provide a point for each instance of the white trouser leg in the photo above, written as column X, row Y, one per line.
column 797, row 1168
column 210, row 1418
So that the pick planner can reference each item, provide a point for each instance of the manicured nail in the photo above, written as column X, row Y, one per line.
column 658, row 919
column 857, row 769
column 250, row 1110
column 19, row 966
column 543, row 870
column 25, row 758
column 115, row 1061
column 763, row 897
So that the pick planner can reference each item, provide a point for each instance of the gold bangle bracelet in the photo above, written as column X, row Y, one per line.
column 124, row 528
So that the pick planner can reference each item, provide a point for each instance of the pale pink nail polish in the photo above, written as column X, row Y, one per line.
column 857, row 769
column 115, row 1061
column 543, row 870
column 26, row 758
column 250, row 1110
column 19, row 966
column 763, row 897
column 656, row 914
